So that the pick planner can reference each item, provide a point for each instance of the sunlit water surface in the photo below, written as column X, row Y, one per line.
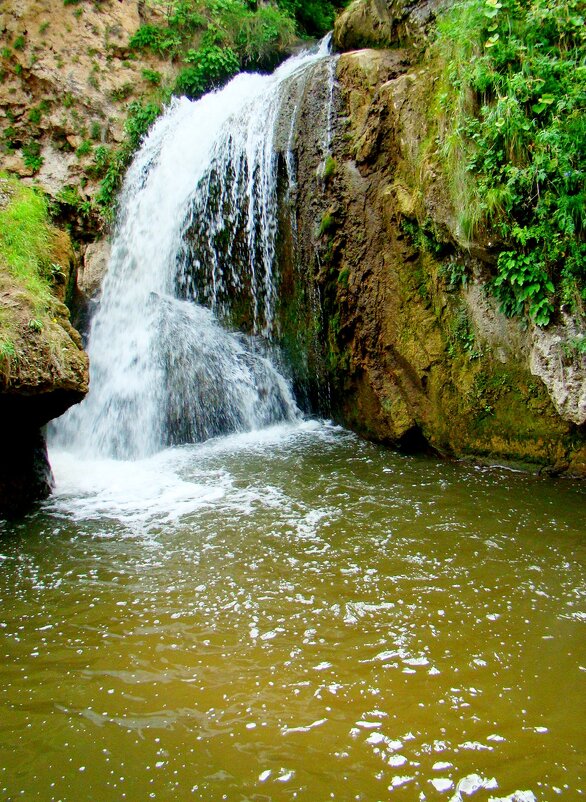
column 294, row 614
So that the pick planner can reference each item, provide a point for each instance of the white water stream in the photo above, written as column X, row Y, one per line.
column 163, row 371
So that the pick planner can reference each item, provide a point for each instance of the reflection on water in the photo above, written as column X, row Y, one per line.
column 294, row 614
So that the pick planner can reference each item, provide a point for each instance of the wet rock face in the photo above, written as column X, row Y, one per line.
column 415, row 358
column 49, row 375
column 384, row 23
column 25, row 473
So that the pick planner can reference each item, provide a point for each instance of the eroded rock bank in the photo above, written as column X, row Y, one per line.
column 43, row 368
column 417, row 352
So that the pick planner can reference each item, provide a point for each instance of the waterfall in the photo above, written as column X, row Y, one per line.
column 196, row 229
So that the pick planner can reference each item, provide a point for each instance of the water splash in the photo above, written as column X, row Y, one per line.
column 198, row 221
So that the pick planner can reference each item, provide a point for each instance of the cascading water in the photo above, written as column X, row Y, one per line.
column 198, row 221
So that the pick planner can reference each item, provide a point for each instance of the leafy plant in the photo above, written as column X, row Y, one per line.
column 141, row 117
column 35, row 324
column 122, row 92
column 31, row 154
column 164, row 41
column 152, row 76
column 68, row 198
column 454, row 273
column 95, row 131
column 84, row 149
column 35, row 115
column 100, row 163
column 261, row 37
column 7, row 350
column 209, row 67
column 314, row 17
column 461, row 335
column 513, row 137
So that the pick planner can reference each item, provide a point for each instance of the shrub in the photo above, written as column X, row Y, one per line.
column 35, row 115
column 160, row 40
column 314, row 17
column 95, row 131
column 84, row 149
column 261, row 37
column 31, row 154
column 514, row 139
column 100, row 163
column 152, row 76
column 122, row 92
column 209, row 67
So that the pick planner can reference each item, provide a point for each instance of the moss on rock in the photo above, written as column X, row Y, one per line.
column 43, row 368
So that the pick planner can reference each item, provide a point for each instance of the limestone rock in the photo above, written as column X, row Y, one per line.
column 383, row 23
column 556, row 357
column 69, row 81
column 14, row 163
column 95, row 265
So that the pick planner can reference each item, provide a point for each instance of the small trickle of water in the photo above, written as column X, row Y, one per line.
column 197, row 222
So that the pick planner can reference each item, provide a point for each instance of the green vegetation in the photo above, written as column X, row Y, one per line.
column 35, row 115
column 214, row 39
column 344, row 277
column 141, row 117
column 329, row 168
column 152, row 76
column 122, row 92
column 210, row 41
column 327, row 224
column 313, row 17
column 424, row 236
column 31, row 154
column 461, row 334
column 84, row 149
column 210, row 66
column 95, row 131
column 100, row 163
column 454, row 273
column 26, row 239
column 513, row 139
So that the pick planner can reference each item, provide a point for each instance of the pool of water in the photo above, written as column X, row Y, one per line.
column 294, row 615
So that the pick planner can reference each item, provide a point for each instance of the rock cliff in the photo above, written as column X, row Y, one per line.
column 418, row 353
column 67, row 79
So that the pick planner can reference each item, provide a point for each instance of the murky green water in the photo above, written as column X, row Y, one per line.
column 294, row 615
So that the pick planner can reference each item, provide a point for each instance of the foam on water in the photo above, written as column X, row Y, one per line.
column 170, row 485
